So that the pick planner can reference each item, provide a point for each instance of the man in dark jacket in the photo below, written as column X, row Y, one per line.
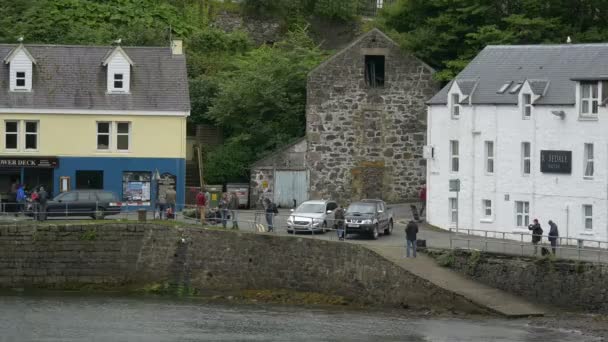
column 339, row 217
column 537, row 234
column 553, row 235
column 233, row 205
column 42, row 204
column 410, row 235
column 271, row 211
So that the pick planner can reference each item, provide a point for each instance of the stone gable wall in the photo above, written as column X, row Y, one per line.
column 368, row 142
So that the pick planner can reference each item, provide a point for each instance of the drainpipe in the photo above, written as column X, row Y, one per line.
column 567, row 223
column 475, row 133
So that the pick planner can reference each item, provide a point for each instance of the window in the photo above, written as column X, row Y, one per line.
column 118, row 81
column 455, row 106
column 522, row 213
column 487, row 208
column 123, row 135
column 589, row 98
column 588, row 160
column 588, row 216
column 515, row 88
column 504, row 88
column 67, row 197
column 379, row 3
column 89, row 179
column 20, row 79
column 31, row 135
column 527, row 106
column 489, row 156
column 11, row 135
column 454, row 159
column 374, row 71
column 453, row 210
column 103, row 135
column 525, row 158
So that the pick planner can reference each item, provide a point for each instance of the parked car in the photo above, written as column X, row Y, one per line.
column 312, row 216
column 371, row 217
column 94, row 203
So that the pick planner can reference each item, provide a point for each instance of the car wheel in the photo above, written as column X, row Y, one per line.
column 99, row 214
column 375, row 233
column 389, row 228
column 290, row 231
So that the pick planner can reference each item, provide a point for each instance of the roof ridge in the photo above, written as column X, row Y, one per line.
column 516, row 46
column 86, row 46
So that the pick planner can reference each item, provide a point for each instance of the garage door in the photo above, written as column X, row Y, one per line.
column 290, row 185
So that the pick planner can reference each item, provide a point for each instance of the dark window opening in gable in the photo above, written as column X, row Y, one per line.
column 20, row 78
column 118, row 79
column 374, row 71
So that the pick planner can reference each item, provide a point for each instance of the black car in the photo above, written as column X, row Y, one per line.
column 94, row 203
column 370, row 217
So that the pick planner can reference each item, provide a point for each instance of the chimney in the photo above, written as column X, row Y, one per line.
column 177, row 47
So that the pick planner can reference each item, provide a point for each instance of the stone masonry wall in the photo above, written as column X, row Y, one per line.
column 367, row 142
column 561, row 283
column 60, row 256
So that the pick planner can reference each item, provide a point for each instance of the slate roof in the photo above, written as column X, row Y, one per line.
column 72, row 77
column 550, row 69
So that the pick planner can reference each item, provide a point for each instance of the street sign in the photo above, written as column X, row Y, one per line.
column 455, row 185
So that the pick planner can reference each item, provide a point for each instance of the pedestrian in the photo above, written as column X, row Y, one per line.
column 43, row 197
column 35, row 204
column 223, row 206
column 537, row 234
column 234, row 207
column 339, row 218
column 171, row 199
column 208, row 198
column 553, row 235
column 410, row 236
column 21, row 198
column 270, row 210
column 161, row 205
column 201, row 203
column 422, row 196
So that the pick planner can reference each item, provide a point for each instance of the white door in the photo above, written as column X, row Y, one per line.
column 290, row 186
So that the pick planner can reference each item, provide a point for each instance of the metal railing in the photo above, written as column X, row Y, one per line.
column 520, row 243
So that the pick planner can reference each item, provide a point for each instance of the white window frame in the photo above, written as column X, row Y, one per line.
column 526, row 110
column 121, row 80
column 36, row 134
column 109, row 134
column 455, row 108
column 453, row 210
column 17, row 78
column 588, row 161
column 490, row 156
column 17, row 133
column 524, row 214
column 486, row 205
column 128, row 135
column 587, row 218
column 591, row 102
column 454, row 157
column 526, row 159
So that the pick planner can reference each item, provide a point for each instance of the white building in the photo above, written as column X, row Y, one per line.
column 525, row 130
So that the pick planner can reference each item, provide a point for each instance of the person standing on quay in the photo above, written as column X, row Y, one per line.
column 201, row 203
column 339, row 217
column 223, row 206
column 42, row 204
column 171, row 199
column 422, row 199
column 553, row 235
column 234, row 207
column 270, row 210
column 537, row 234
column 411, row 230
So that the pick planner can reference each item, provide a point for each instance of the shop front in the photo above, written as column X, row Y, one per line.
column 32, row 172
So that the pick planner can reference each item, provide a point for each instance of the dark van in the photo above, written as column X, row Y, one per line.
column 94, row 203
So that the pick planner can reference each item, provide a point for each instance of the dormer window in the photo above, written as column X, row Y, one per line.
column 118, row 66
column 118, row 79
column 589, row 98
column 20, row 79
column 455, row 106
column 526, row 106
column 21, row 64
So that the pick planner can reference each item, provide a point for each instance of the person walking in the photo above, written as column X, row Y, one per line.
column 201, row 203
column 234, row 207
column 21, row 198
column 339, row 218
column 537, row 234
column 553, row 235
column 35, row 203
column 43, row 197
column 161, row 205
column 171, row 199
column 271, row 210
column 223, row 206
column 411, row 230
column 422, row 196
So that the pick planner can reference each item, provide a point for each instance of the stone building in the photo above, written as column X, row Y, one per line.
column 366, row 122
column 366, row 126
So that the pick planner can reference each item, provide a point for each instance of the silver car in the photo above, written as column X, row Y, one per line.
column 312, row 216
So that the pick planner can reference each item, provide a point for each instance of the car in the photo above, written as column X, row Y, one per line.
column 369, row 216
column 94, row 203
column 312, row 216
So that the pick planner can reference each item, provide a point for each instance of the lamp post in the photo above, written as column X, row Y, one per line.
column 155, row 179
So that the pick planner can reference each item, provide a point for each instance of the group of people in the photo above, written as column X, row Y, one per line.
column 537, row 235
column 227, row 208
column 166, row 204
column 34, row 200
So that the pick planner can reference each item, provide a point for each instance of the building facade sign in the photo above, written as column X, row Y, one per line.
column 33, row 162
column 556, row 161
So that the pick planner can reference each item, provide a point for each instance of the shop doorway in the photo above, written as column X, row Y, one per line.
column 35, row 178
column 9, row 179
column 89, row 180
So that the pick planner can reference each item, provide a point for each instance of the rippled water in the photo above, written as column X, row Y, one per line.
column 69, row 319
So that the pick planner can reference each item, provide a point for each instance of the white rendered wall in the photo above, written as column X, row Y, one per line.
column 21, row 63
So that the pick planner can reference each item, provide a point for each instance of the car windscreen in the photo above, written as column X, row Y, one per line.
column 311, row 208
column 361, row 208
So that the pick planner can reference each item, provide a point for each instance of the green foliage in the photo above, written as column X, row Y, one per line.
column 289, row 9
column 228, row 163
column 446, row 259
column 448, row 34
column 473, row 261
column 89, row 235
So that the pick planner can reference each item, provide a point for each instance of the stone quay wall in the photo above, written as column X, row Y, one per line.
column 134, row 255
column 555, row 282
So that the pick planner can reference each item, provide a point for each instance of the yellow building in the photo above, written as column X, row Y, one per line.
column 88, row 117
